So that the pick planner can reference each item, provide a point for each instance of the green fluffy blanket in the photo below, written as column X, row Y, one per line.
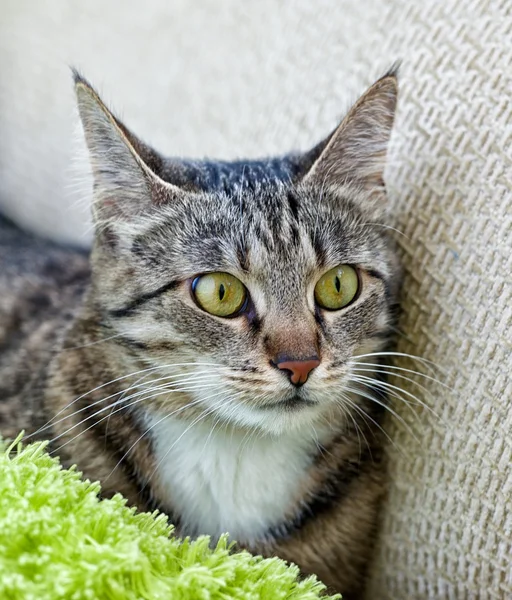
column 59, row 541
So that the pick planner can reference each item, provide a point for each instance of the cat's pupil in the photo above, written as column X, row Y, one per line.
column 222, row 291
column 337, row 283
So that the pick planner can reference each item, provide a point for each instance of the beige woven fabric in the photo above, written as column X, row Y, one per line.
column 238, row 78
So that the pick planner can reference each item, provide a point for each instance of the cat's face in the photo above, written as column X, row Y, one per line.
column 250, row 290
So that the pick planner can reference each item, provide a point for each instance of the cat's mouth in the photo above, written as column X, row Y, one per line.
column 294, row 403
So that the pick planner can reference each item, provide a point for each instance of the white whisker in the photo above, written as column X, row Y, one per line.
column 167, row 366
column 166, row 416
column 66, row 348
column 150, row 395
column 367, row 416
column 358, row 429
column 52, row 422
column 365, row 394
column 399, row 376
column 389, row 387
column 391, row 228
column 203, row 415
column 379, row 367
column 403, row 354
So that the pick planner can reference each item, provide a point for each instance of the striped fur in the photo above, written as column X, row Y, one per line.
column 180, row 410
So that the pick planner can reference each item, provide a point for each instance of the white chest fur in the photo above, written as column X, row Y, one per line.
column 223, row 482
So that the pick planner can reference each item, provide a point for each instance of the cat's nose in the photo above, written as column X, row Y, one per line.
column 298, row 370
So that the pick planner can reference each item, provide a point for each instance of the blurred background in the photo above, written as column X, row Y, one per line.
column 210, row 78
column 232, row 78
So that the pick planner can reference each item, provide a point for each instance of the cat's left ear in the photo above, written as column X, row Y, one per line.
column 127, row 182
column 355, row 153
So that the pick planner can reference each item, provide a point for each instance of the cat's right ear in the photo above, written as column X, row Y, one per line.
column 125, row 186
column 355, row 153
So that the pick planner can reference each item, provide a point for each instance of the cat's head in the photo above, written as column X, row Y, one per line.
column 247, row 288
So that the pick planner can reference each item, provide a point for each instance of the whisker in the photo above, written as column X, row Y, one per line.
column 150, row 396
column 252, row 430
column 166, row 416
column 99, row 387
column 316, row 439
column 425, row 361
column 203, row 415
column 188, row 405
column 365, row 394
column 122, row 397
column 378, row 366
column 393, row 374
column 227, row 421
column 320, row 447
column 396, row 375
column 388, row 386
column 66, row 348
column 365, row 416
column 196, row 376
column 358, row 429
column 401, row 333
column 52, row 422
column 384, row 388
column 439, row 418
column 209, row 437
column 389, row 227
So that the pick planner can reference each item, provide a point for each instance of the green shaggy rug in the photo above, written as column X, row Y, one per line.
column 59, row 541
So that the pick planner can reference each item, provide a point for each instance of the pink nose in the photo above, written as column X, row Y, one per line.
column 299, row 369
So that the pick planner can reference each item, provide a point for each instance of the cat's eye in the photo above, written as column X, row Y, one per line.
column 219, row 294
column 337, row 288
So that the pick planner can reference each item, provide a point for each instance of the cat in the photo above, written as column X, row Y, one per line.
column 217, row 355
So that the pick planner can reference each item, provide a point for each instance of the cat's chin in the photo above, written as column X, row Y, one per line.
column 286, row 416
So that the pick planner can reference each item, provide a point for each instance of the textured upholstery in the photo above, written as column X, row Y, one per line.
column 236, row 78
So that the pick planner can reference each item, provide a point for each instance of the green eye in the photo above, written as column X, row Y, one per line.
column 219, row 294
column 337, row 287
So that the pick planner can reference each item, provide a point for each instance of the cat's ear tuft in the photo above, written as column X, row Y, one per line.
column 355, row 153
column 124, row 185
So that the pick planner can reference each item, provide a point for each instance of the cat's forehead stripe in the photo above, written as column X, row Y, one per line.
column 279, row 228
column 241, row 176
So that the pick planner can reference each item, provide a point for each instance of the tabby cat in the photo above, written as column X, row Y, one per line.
column 217, row 355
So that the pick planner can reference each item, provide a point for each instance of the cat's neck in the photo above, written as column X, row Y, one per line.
column 218, row 479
